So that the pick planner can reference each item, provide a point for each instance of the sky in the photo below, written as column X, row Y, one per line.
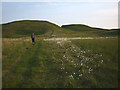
column 95, row 14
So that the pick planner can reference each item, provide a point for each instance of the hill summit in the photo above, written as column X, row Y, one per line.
column 26, row 27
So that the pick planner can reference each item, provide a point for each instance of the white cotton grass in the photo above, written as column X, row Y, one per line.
column 79, row 58
column 64, row 56
column 90, row 70
column 80, row 75
column 58, row 42
column 62, row 68
column 84, row 52
column 71, row 76
column 101, row 61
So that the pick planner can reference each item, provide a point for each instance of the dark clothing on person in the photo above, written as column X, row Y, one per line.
column 33, row 38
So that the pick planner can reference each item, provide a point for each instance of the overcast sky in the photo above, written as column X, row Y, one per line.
column 96, row 14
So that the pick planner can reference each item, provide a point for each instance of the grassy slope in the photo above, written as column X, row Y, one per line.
column 90, row 31
column 50, row 64
column 26, row 27
column 44, row 28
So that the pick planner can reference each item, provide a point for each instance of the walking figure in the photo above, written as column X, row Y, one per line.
column 33, row 38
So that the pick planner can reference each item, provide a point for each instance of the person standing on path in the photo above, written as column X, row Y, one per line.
column 33, row 38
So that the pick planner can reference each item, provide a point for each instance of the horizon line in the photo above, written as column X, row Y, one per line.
column 55, row 23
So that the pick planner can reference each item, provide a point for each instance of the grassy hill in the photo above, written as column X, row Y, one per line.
column 26, row 27
column 44, row 28
column 79, row 28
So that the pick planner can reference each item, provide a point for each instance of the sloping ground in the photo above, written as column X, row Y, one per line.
column 80, row 27
column 60, row 63
column 44, row 28
column 26, row 27
column 86, row 30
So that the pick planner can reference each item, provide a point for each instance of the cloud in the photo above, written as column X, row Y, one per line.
column 59, row 0
column 50, row 4
column 37, row 5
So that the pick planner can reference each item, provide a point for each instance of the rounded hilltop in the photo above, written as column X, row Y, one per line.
column 25, row 27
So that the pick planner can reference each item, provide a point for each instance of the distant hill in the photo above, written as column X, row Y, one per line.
column 26, row 27
column 80, row 28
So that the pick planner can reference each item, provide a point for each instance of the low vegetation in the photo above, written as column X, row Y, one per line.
column 47, row 29
column 64, row 64
column 57, row 60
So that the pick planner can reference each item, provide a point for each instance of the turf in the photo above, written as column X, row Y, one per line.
column 85, row 30
column 24, row 28
column 60, row 64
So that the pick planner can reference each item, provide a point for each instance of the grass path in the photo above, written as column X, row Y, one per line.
column 32, row 57
column 23, row 69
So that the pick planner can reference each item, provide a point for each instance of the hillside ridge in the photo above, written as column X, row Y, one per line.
column 24, row 28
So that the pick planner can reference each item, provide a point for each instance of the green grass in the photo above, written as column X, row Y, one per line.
column 84, row 30
column 58, row 64
column 48, row 64
column 24, row 28
column 106, row 74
